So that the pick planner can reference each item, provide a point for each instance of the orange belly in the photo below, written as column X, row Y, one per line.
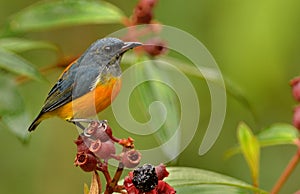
column 91, row 103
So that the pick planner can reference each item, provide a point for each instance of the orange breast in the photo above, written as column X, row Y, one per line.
column 91, row 103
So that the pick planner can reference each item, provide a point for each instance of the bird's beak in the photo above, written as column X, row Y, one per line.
column 129, row 45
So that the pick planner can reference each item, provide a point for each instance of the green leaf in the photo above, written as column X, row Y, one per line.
column 278, row 134
column 12, row 109
column 17, row 123
column 250, row 149
column 20, row 45
column 192, row 180
column 10, row 100
column 16, row 64
column 51, row 14
column 156, row 90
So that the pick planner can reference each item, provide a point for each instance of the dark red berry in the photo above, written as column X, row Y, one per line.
column 145, row 178
column 86, row 161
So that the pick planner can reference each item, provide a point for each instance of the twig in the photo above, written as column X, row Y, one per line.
column 103, row 168
column 113, row 186
column 288, row 170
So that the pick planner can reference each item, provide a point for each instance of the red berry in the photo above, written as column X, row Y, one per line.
column 86, row 161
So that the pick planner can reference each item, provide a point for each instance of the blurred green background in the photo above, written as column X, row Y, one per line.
column 256, row 45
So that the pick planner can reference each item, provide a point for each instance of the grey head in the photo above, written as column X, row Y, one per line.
column 105, row 54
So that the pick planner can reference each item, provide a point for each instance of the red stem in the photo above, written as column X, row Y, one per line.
column 113, row 186
column 288, row 170
column 103, row 168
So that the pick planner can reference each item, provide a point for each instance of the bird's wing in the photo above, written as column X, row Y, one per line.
column 73, row 83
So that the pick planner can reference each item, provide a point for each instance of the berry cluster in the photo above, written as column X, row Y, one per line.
column 96, row 145
column 143, row 14
column 148, row 179
column 295, row 83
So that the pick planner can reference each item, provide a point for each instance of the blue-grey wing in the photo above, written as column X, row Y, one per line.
column 73, row 84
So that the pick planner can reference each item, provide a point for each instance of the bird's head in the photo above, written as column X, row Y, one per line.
column 106, row 53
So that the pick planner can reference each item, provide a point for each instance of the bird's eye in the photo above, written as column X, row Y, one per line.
column 107, row 48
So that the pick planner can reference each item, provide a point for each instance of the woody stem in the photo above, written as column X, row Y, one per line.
column 113, row 184
column 287, row 172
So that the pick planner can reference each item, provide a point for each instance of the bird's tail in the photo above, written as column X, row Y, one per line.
column 36, row 122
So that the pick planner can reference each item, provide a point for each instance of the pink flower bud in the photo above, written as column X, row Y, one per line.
column 296, row 117
column 86, row 161
column 131, row 158
column 143, row 12
column 295, row 83
column 155, row 47
column 149, row 3
column 297, row 192
column 97, row 130
column 104, row 150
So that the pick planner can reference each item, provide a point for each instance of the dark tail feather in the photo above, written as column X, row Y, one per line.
column 35, row 123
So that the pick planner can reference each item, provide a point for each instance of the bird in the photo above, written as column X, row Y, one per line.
column 88, row 85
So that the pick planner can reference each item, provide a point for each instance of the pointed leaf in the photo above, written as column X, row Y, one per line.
column 278, row 134
column 12, row 109
column 50, row 14
column 166, row 114
column 10, row 100
column 192, row 180
column 250, row 149
column 21, row 45
column 95, row 187
column 16, row 64
column 17, row 123
column 86, row 189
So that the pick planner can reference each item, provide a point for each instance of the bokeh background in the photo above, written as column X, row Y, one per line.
column 256, row 45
